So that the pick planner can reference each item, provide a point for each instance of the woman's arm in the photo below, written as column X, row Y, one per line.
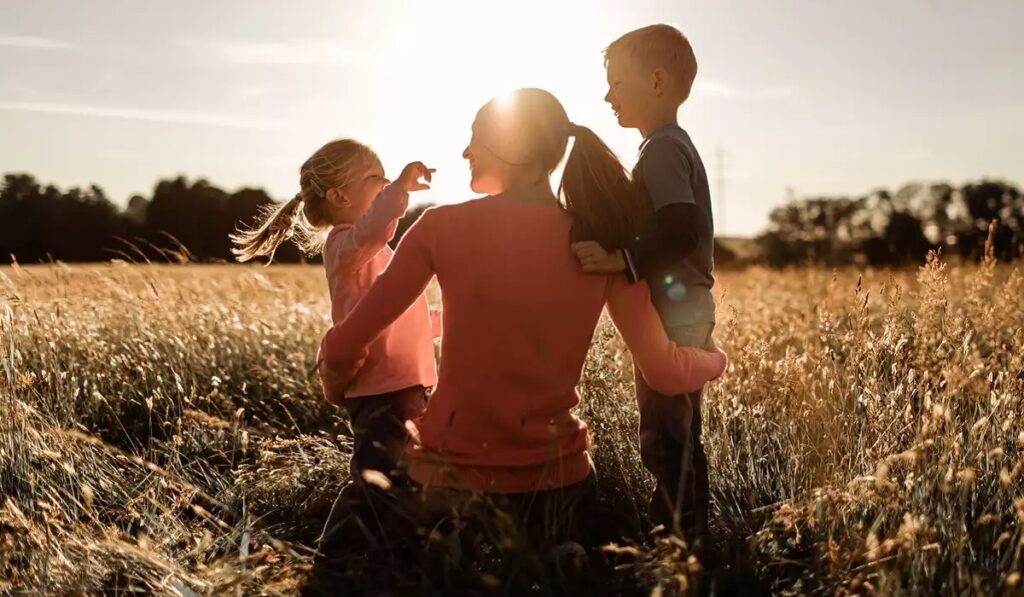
column 668, row 368
column 344, row 347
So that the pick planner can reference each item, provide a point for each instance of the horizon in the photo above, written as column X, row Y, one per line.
column 122, row 97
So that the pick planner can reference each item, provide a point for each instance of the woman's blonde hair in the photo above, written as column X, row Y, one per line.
column 336, row 164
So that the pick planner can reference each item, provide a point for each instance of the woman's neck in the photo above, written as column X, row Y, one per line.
column 538, row 191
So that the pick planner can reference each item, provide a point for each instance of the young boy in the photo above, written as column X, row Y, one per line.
column 650, row 74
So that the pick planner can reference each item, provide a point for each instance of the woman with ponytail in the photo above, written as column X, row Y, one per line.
column 519, row 314
column 349, row 210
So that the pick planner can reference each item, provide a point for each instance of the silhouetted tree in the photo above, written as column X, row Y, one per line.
column 886, row 228
column 41, row 223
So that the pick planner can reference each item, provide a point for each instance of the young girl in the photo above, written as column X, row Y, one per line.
column 348, row 209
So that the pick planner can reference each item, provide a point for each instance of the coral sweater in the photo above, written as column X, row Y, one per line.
column 519, row 318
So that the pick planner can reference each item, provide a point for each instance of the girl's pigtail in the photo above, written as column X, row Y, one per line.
column 278, row 225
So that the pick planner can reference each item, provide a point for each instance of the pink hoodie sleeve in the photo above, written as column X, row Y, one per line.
column 373, row 229
column 344, row 348
column 669, row 369
column 436, row 322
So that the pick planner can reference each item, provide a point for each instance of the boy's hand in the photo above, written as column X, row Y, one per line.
column 595, row 260
column 409, row 179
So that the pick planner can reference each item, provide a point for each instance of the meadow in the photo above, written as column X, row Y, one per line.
column 160, row 433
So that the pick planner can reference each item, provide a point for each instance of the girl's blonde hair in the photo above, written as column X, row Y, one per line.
column 336, row 164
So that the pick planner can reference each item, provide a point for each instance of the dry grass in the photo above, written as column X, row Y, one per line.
column 159, row 433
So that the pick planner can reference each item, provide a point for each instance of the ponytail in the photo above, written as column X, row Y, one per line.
column 278, row 225
column 596, row 189
column 599, row 195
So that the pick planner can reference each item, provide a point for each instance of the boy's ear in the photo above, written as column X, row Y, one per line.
column 660, row 80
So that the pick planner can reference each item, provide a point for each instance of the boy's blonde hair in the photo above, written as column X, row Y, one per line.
column 336, row 164
column 658, row 46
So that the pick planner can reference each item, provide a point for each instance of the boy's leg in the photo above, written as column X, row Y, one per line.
column 670, row 446
column 697, row 499
column 665, row 449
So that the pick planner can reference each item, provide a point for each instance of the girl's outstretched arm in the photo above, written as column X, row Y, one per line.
column 373, row 229
column 669, row 369
column 344, row 347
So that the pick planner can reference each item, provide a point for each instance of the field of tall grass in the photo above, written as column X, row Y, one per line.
column 160, row 433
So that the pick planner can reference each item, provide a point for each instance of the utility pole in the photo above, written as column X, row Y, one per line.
column 720, row 186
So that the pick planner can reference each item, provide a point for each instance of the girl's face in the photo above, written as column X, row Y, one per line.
column 356, row 196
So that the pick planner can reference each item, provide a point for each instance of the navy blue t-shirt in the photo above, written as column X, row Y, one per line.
column 670, row 171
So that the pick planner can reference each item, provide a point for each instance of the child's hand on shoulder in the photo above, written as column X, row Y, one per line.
column 410, row 177
column 595, row 260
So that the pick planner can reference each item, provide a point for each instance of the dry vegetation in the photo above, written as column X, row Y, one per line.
column 159, row 433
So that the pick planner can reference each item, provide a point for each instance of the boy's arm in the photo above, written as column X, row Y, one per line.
column 665, row 172
column 674, row 238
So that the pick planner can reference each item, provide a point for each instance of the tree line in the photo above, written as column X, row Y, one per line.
column 190, row 220
column 181, row 220
column 886, row 228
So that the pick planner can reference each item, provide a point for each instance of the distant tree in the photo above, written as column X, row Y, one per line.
column 985, row 202
column 42, row 223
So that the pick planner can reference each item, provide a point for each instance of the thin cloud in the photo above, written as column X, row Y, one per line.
column 717, row 89
column 292, row 53
column 712, row 89
column 779, row 92
column 32, row 43
column 145, row 114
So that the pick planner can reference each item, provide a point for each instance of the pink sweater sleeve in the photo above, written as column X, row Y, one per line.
column 343, row 349
column 436, row 322
column 668, row 368
column 373, row 229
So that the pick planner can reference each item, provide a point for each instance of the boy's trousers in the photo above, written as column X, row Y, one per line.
column 671, row 448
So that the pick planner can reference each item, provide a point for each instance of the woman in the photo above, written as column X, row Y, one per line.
column 519, row 311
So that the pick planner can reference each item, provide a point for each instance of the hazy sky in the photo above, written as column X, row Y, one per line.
column 821, row 97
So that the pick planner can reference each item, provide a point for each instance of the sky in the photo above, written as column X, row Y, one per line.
column 793, row 97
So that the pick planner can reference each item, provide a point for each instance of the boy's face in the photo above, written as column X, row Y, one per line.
column 632, row 93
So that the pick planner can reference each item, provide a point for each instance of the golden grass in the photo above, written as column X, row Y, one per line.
column 159, row 431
